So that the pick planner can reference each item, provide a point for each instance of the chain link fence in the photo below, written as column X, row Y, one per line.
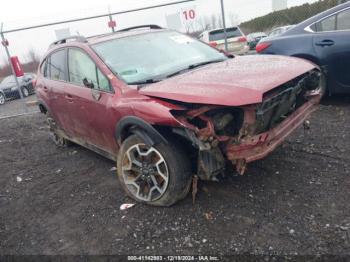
column 16, row 101
column 12, row 105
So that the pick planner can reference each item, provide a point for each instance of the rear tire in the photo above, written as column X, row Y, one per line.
column 159, row 175
column 55, row 134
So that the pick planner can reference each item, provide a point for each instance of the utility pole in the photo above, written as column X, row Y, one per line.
column 224, row 23
column 5, row 44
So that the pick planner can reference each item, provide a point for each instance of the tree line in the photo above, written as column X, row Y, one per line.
column 290, row 16
column 31, row 64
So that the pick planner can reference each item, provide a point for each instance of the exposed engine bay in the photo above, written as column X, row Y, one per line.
column 244, row 134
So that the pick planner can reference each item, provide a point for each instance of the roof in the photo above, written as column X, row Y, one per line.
column 132, row 31
column 116, row 35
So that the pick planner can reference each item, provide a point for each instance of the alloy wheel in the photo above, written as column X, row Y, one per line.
column 145, row 172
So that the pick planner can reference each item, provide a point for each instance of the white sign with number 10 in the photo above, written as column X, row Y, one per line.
column 188, row 14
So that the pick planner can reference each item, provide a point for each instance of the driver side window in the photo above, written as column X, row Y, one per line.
column 84, row 72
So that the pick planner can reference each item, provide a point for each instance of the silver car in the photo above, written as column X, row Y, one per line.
column 237, row 41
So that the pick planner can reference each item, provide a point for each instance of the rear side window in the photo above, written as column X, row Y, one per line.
column 56, row 66
column 220, row 35
column 84, row 72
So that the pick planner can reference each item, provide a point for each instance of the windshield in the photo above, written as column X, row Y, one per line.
column 154, row 56
column 218, row 35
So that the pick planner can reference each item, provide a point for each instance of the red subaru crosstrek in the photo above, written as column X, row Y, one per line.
column 166, row 106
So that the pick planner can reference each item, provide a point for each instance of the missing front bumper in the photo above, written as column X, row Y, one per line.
column 256, row 147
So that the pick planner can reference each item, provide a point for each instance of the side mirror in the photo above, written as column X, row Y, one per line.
column 88, row 84
column 96, row 94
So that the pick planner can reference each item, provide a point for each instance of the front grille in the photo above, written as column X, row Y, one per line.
column 284, row 100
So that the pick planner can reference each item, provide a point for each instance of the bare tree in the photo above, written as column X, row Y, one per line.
column 213, row 19
column 5, row 69
column 234, row 19
column 33, row 56
column 189, row 26
column 204, row 23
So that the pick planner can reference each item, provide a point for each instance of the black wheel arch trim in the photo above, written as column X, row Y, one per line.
column 139, row 127
column 41, row 104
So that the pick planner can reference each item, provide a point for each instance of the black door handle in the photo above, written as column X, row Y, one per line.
column 325, row 43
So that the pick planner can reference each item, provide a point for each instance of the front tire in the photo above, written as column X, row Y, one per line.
column 158, row 175
column 25, row 92
column 2, row 99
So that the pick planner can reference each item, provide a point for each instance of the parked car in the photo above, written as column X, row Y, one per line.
column 323, row 39
column 254, row 38
column 9, row 87
column 280, row 30
column 166, row 106
column 237, row 42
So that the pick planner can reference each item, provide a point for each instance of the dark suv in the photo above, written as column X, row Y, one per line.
column 166, row 106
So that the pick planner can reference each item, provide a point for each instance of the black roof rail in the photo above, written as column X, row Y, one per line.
column 77, row 38
column 139, row 27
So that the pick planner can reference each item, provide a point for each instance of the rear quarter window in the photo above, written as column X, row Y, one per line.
column 57, row 66
column 343, row 21
column 327, row 24
column 43, row 68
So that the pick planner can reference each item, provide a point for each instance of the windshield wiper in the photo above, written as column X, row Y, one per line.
column 194, row 66
column 205, row 63
column 152, row 80
column 144, row 82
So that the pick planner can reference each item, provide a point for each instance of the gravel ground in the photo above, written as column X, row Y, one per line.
column 17, row 107
column 66, row 200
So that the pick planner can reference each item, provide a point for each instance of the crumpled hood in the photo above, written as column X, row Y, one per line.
column 239, row 81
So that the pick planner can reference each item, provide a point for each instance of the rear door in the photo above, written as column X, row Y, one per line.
column 332, row 46
column 53, row 87
column 91, row 99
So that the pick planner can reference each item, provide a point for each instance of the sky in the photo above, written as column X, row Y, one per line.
column 23, row 13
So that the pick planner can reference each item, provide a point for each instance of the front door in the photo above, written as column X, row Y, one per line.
column 91, row 97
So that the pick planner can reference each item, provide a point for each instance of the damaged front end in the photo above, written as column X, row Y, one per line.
column 247, row 133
